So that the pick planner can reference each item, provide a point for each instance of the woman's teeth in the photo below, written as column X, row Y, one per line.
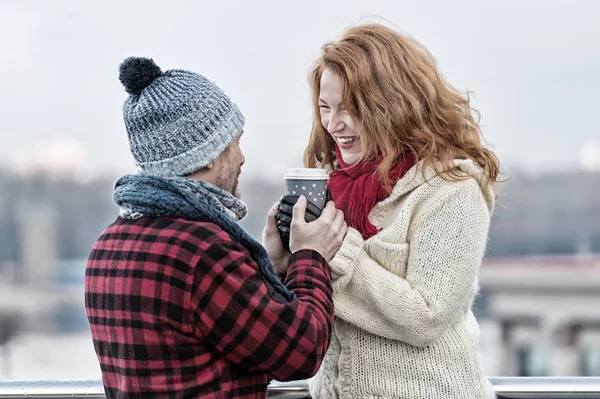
column 347, row 140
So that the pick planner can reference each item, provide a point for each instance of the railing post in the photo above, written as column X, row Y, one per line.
column 8, row 327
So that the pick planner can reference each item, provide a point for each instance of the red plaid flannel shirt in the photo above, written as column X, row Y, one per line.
column 178, row 309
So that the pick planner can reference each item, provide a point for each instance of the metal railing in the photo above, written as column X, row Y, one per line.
column 505, row 387
column 546, row 387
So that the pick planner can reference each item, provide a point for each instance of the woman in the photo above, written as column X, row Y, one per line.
column 410, row 172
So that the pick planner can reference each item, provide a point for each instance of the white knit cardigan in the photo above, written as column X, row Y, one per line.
column 404, row 326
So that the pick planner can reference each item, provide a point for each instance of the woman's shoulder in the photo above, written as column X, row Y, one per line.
column 422, row 190
column 462, row 177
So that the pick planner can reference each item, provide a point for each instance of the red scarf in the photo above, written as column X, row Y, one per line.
column 356, row 189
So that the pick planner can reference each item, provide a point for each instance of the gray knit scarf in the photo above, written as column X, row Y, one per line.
column 181, row 197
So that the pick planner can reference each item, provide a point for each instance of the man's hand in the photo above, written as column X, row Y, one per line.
column 324, row 235
column 284, row 216
column 272, row 243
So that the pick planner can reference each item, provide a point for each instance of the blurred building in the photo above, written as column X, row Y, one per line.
column 37, row 230
column 52, row 306
column 539, row 315
column 556, row 213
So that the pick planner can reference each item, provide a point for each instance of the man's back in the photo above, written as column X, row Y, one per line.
column 179, row 309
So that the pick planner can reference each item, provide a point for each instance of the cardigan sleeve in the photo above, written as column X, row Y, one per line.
column 447, row 240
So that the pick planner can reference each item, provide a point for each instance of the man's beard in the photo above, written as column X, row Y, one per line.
column 231, row 186
column 236, row 186
column 237, row 193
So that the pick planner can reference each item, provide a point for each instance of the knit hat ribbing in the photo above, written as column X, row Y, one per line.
column 177, row 121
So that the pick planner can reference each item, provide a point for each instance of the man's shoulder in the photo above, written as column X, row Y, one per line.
column 183, row 230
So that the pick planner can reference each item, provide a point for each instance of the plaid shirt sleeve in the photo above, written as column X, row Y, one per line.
column 236, row 313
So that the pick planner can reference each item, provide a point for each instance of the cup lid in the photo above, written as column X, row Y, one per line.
column 306, row 173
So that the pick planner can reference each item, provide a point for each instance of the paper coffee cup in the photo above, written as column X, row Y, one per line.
column 310, row 182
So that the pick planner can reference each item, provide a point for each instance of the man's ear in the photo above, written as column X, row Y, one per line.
column 210, row 165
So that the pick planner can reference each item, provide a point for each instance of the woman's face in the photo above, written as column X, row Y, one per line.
column 336, row 120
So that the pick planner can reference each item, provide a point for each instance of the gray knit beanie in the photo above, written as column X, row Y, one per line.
column 177, row 121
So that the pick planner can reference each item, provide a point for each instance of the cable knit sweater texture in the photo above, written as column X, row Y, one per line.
column 404, row 326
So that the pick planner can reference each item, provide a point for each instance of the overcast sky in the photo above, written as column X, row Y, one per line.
column 534, row 68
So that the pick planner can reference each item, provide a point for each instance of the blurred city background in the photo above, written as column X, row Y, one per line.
column 532, row 70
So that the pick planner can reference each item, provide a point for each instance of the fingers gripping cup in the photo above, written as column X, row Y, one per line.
column 312, row 184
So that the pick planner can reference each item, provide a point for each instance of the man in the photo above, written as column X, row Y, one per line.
column 182, row 302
